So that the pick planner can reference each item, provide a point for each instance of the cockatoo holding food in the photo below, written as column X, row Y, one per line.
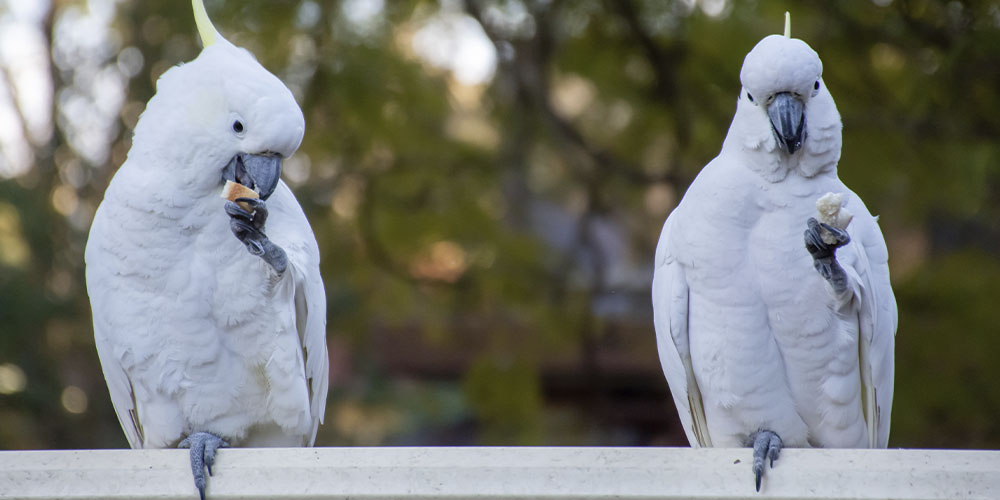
column 765, row 341
column 209, row 315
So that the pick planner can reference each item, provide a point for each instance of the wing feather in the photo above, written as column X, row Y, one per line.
column 670, row 317
column 310, row 300
column 122, row 395
column 119, row 385
column 310, row 311
column 877, row 317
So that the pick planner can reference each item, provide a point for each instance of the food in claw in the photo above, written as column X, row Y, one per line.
column 234, row 190
column 832, row 211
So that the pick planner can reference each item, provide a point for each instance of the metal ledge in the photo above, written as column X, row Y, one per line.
column 495, row 473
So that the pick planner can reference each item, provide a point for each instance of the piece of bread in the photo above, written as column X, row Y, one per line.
column 233, row 190
column 832, row 212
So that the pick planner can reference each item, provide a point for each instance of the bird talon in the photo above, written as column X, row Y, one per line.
column 253, row 202
column 824, row 254
column 766, row 445
column 819, row 248
column 255, row 247
column 203, row 446
column 259, row 211
column 249, row 236
column 235, row 211
column 259, row 245
column 257, row 215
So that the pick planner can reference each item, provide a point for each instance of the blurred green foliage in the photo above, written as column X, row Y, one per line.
column 487, row 249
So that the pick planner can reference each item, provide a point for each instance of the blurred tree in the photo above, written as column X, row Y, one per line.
column 487, row 180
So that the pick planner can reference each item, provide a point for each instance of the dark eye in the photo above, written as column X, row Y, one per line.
column 238, row 127
column 749, row 97
column 816, row 85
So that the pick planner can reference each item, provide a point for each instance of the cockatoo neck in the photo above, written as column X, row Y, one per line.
column 192, row 165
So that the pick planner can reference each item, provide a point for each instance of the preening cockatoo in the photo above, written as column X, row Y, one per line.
column 210, row 325
column 766, row 342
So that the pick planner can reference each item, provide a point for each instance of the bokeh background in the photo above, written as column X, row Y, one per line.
column 487, row 180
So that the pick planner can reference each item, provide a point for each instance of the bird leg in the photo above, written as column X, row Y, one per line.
column 766, row 445
column 823, row 254
column 249, row 229
column 203, row 446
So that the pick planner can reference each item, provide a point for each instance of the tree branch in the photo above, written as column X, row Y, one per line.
column 529, row 75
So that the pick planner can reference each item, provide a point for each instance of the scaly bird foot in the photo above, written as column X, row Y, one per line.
column 824, row 254
column 249, row 229
column 766, row 445
column 257, row 214
column 203, row 446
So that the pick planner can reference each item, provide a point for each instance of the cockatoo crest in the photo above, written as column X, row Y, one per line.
column 204, row 23
column 222, row 103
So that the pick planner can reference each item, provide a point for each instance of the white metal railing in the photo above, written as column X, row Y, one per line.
column 494, row 473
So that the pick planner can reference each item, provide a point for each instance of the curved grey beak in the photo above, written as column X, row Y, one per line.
column 788, row 121
column 258, row 172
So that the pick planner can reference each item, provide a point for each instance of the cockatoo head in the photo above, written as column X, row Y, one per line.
column 237, row 120
column 780, row 76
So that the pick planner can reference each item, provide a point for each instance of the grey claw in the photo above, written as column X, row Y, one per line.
column 253, row 202
column 211, row 447
column 765, row 444
column 255, row 248
column 824, row 254
column 841, row 235
column 203, row 446
column 773, row 450
column 814, row 239
column 248, row 227
column 259, row 245
column 259, row 211
column 249, row 235
column 235, row 211
column 275, row 256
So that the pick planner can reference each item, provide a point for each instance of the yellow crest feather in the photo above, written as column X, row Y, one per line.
column 205, row 28
column 788, row 25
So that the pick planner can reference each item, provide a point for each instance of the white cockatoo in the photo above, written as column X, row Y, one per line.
column 210, row 332
column 766, row 341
